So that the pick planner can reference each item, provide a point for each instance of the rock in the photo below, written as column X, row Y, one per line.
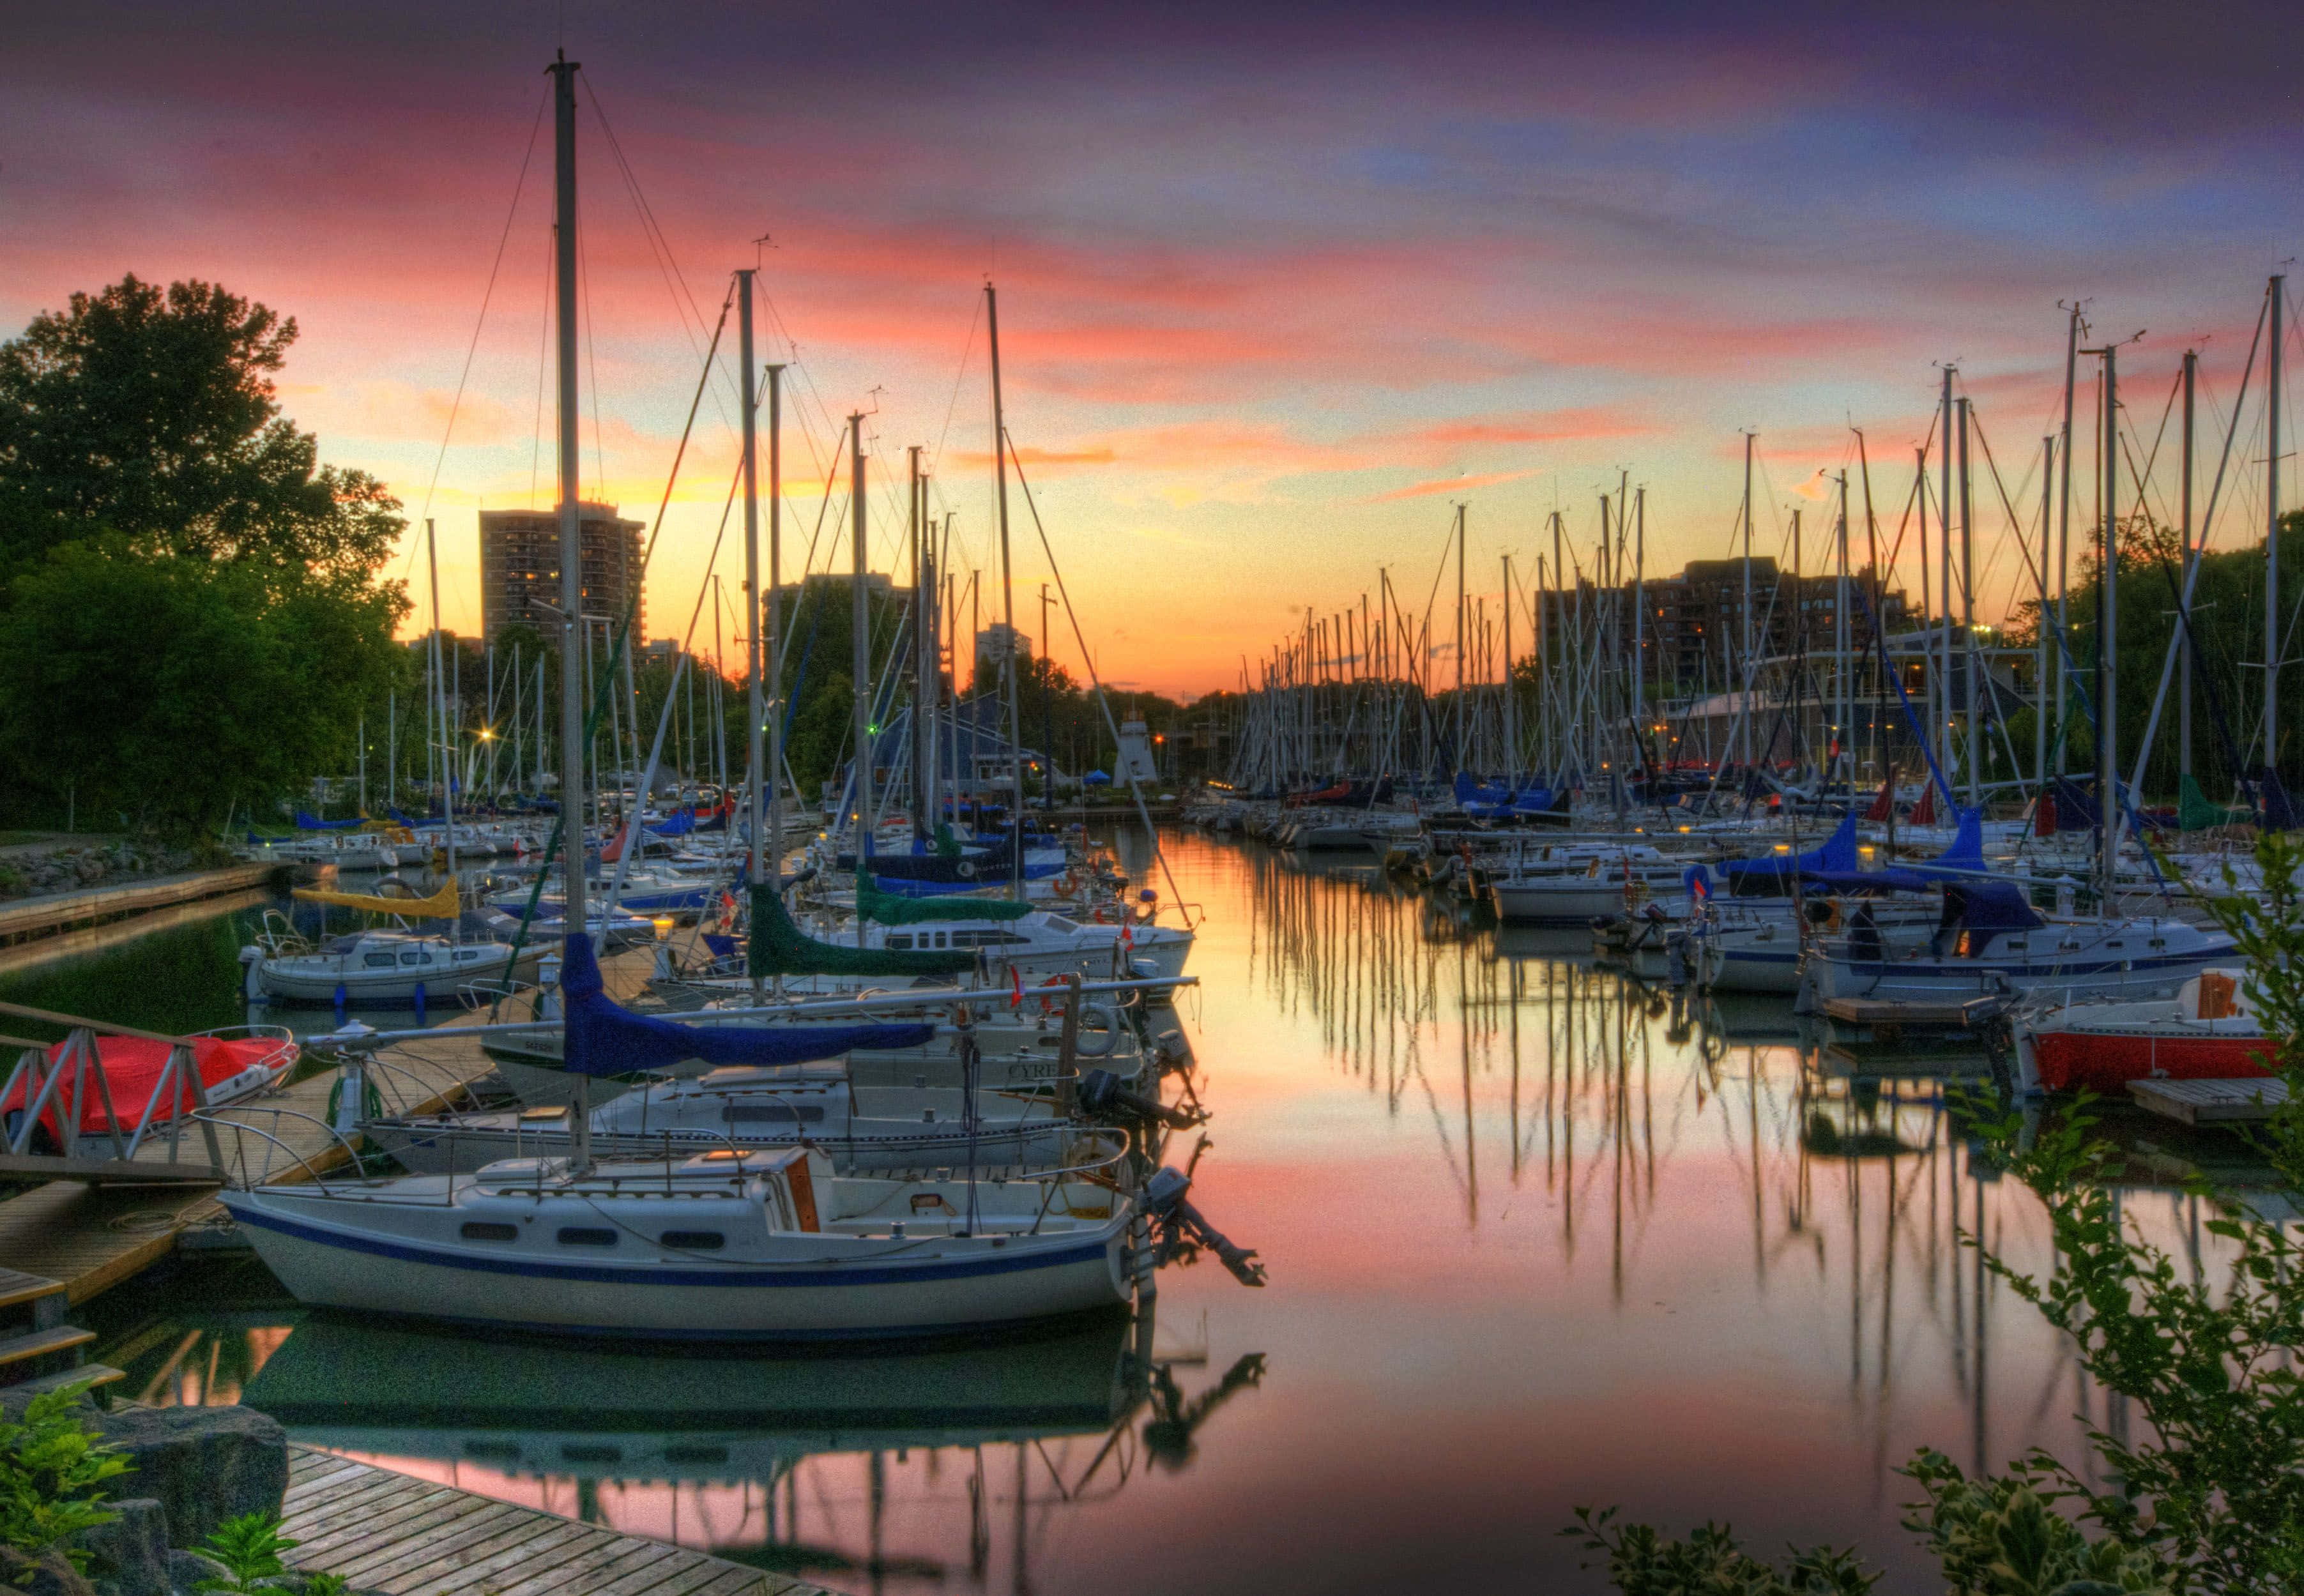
column 187, row 1570
column 205, row 1464
column 128, row 1557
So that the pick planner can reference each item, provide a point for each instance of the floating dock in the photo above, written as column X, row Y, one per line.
column 395, row 1533
column 92, row 1237
column 59, row 912
column 2212, row 1101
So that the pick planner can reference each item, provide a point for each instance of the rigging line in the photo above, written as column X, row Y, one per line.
column 543, row 364
column 677, row 281
column 592, row 368
column 1103, row 699
column 512, row 211
column 967, row 347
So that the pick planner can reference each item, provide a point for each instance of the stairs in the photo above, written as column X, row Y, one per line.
column 39, row 1351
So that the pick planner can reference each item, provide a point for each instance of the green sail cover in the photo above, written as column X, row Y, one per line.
column 947, row 846
column 777, row 947
column 890, row 909
column 2194, row 813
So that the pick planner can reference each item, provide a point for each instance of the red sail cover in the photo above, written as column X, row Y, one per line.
column 132, row 1066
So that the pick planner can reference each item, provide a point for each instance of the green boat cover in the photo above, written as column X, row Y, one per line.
column 947, row 846
column 2194, row 813
column 778, row 947
column 891, row 908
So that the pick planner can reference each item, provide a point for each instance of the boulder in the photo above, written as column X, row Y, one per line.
column 205, row 1464
column 188, row 1571
column 128, row 1557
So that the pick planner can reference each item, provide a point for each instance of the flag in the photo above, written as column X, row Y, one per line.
column 1016, row 991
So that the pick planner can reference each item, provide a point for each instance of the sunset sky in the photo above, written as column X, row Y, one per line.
column 1278, row 283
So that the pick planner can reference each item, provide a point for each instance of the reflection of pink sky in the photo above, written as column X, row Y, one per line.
column 1271, row 295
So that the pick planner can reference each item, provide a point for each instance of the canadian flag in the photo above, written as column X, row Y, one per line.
column 1016, row 988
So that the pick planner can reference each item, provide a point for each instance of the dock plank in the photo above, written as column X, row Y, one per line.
column 2220, row 1101
column 416, row 1537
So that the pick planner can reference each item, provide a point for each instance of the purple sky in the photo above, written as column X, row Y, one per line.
column 1276, row 282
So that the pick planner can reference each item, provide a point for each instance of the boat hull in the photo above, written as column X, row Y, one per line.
column 839, row 1288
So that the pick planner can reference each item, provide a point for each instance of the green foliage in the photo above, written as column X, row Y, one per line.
column 2209, row 1495
column 1710, row 1563
column 190, row 619
column 52, row 1473
column 250, row 1547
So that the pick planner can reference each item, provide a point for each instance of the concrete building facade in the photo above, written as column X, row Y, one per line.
column 520, row 567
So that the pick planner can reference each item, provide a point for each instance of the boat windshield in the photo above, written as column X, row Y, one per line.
column 343, row 946
column 1058, row 923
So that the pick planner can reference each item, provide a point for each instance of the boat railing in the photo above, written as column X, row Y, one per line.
column 243, row 1128
column 404, row 1087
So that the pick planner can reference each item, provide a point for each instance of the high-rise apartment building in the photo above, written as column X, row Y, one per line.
column 520, row 567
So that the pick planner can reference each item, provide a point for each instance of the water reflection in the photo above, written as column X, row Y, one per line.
column 1539, row 1235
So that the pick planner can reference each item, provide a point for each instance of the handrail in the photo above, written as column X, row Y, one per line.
column 209, row 1117
column 76, row 1022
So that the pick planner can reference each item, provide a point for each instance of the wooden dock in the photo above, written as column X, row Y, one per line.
column 394, row 1532
column 60, row 911
column 1884, row 1012
column 93, row 1237
column 2213, row 1101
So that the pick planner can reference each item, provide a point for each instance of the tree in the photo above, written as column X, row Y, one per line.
column 152, row 414
column 169, row 690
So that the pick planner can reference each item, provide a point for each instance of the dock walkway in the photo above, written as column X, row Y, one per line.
column 93, row 1236
column 413, row 1537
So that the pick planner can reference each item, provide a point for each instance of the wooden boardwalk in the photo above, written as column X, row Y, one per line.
column 412, row 1537
column 46, row 917
column 93, row 1236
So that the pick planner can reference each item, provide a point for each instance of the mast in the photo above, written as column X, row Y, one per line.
column 1462, row 727
column 440, row 694
column 2040, row 672
column 1942, row 732
column 1639, row 618
column 2278, row 290
column 1511, row 718
column 1008, row 602
column 923, row 629
column 2107, row 645
column 1976, row 685
column 2184, row 602
column 770, row 851
column 755, row 750
column 1841, row 670
column 859, row 653
column 2064, row 537
column 571, row 536
column 1744, row 699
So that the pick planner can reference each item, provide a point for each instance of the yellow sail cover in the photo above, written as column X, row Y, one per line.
column 443, row 905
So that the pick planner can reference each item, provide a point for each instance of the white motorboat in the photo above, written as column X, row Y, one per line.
column 729, row 1246
column 1037, row 944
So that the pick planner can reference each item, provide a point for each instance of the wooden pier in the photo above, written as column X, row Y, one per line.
column 59, row 912
column 394, row 1532
column 92, row 1236
column 2230, row 1102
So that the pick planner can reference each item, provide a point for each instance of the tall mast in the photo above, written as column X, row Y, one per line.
column 2184, row 602
column 1977, row 684
column 1511, row 718
column 1639, row 618
column 2278, row 290
column 2041, row 670
column 440, row 694
column 1744, row 699
column 1841, row 666
column 859, row 653
column 923, row 630
column 770, row 849
column 1008, row 606
column 2064, row 536
column 2107, row 642
column 755, row 720
column 571, row 536
column 1462, row 753
column 1943, row 729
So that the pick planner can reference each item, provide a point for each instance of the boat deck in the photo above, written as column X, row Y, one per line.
column 395, row 1533
column 93, row 1237
column 2211, row 1101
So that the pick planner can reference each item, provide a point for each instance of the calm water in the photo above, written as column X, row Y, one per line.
column 1537, row 1237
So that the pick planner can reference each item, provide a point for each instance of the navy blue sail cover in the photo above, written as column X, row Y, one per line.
column 605, row 1039
column 1838, row 853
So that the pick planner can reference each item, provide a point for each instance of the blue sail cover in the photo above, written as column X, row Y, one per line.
column 605, row 1039
column 1837, row 852
column 1852, row 882
column 1989, row 906
column 2076, row 806
column 679, row 825
column 1965, row 856
column 306, row 823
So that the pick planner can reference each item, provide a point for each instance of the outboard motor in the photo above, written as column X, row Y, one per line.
column 1101, row 1093
column 1183, row 1232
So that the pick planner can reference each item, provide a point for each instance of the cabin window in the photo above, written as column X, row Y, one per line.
column 489, row 1231
column 464, row 954
column 695, row 1241
column 770, row 1113
column 377, row 961
column 941, row 940
column 900, row 941
column 1060, row 922
column 585, row 1236
column 416, row 958
column 959, row 939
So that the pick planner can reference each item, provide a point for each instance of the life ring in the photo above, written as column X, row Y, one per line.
column 1068, row 884
column 1110, row 1031
column 967, row 870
